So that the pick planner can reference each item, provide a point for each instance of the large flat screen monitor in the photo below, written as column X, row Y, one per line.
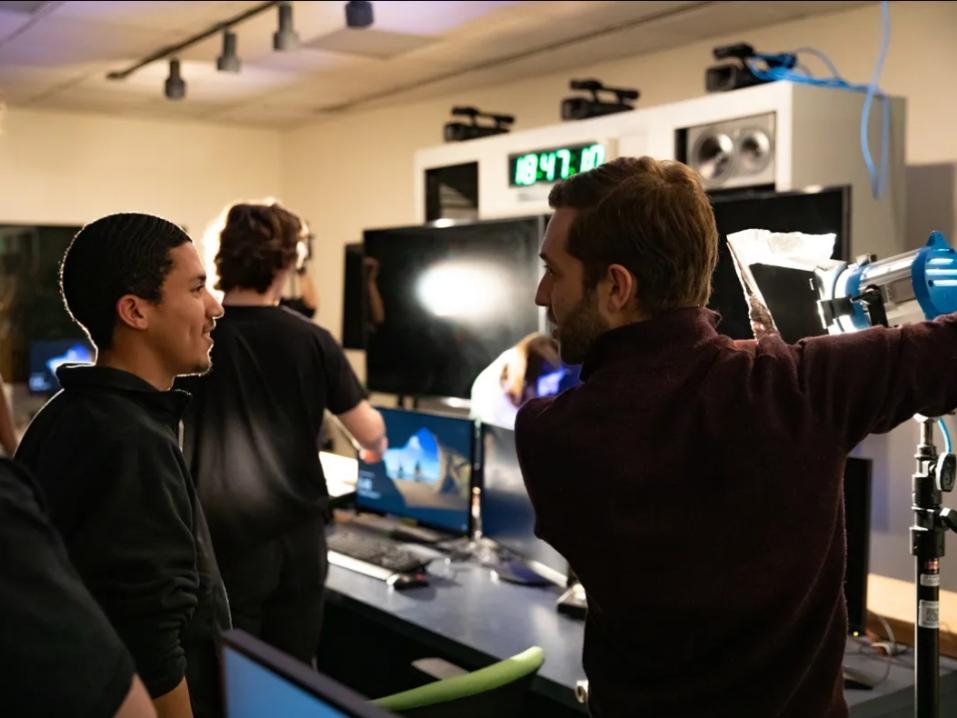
column 452, row 298
column 507, row 514
column 259, row 681
column 790, row 297
column 426, row 474
column 47, row 355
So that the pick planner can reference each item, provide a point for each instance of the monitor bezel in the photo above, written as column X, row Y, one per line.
column 32, row 350
column 474, row 476
column 298, row 674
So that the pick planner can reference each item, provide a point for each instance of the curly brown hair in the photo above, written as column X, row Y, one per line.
column 257, row 242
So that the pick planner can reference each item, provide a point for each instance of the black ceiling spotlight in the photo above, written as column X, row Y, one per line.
column 734, row 75
column 229, row 60
column 285, row 38
column 175, row 87
column 459, row 131
column 581, row 108
column 358, row 13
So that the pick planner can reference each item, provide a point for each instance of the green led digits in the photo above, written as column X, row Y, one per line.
column 546, row 166
column 551, row 165
column 592, row 157
column 526, row 169
column 565, row 156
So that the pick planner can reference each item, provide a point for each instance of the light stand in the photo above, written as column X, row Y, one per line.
column 934, row 475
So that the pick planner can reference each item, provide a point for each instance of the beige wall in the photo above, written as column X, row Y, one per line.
column 355, row 171
column 66, row 168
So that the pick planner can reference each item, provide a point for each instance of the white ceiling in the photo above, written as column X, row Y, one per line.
column 56, row 55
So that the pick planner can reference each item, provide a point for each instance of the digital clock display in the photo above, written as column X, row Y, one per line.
column 546, row 166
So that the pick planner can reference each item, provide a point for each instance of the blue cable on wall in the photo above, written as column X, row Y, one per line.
column 774, row 71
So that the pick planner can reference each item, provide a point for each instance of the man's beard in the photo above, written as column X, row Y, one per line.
column 581, row 328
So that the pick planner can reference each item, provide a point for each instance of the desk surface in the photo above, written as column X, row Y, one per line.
column 477, row 616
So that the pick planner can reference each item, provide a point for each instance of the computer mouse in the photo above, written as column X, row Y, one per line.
column 403, row 581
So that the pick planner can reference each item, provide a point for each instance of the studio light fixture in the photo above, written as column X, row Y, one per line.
column 358, row 13
column 175, row 84
column 229, row 60
column 285, row 38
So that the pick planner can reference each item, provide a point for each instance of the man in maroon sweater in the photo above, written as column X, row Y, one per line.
column 695, row 483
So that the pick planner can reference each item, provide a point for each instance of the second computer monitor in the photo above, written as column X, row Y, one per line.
column 259, row 680
column 426, row 474
column 46, row 356
column 507, row 514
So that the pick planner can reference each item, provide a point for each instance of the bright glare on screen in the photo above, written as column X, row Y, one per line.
column 462, row 290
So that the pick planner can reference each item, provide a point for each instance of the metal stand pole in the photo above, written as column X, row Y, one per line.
column 934, row 475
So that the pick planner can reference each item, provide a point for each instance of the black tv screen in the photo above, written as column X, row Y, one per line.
column 790, row 298
column 452, row 299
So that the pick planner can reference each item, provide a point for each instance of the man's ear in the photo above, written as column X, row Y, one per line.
column 622, row 288
column 132, row 312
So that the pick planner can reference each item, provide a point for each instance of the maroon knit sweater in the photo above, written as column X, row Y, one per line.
column 695, row 486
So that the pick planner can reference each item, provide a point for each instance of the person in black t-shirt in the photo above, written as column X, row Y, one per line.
column 105, row 450
column 58, row 653
column 252, row 429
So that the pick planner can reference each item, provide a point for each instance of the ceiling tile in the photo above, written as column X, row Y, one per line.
column 10, row 22
column 370, row 42
column 183, row 16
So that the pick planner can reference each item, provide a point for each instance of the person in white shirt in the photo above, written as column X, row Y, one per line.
column 530, row 368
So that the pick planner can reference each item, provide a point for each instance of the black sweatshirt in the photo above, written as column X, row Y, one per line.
column 695, row 486
column 58, row 653
column 106, row 452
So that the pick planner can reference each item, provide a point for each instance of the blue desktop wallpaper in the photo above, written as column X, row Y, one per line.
column 253, row 691
column 426, row 474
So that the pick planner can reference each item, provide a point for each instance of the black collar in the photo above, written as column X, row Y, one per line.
column 86, row 377
column 655, row 340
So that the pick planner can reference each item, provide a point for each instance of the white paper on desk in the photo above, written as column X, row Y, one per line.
column 793, row 250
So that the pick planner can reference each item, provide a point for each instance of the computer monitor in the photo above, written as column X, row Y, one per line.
column 857, row 520
column 259, row 680
column 790, row 297
column 507, row 514
column 426, row 474
column 46, row 355
column 452, row 298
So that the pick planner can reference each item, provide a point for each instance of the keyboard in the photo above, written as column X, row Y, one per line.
column 372, row 549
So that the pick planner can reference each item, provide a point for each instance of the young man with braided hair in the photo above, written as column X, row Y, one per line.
column 695, row 483
column 106, row 451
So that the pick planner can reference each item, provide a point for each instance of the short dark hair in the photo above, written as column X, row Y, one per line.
column 126, row 253
column 257, row 242
column 652, row 217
